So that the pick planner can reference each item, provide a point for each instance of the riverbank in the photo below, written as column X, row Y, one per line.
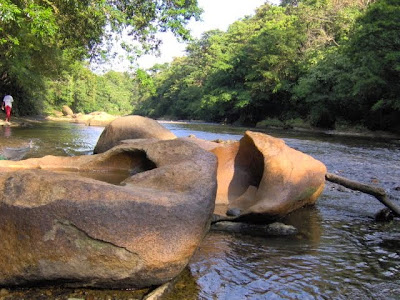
column 341, row 131
column 102, row 119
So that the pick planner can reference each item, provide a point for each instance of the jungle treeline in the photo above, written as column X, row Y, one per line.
column 325, row 63
column 47, row 47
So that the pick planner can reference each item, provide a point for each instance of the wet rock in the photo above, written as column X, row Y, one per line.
column 384, row 215
column 131, row 127
column 59, row 224
column 206, row 145
column 273, row 229
column 261, row 175
column 233, row 212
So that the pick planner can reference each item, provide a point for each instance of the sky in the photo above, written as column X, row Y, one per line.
column 218, row 14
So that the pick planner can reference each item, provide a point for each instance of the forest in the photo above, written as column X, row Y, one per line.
column 325, row 63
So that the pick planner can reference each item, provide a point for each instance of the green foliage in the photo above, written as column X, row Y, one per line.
column 319, row 60
column 359, row 82
column 87, row 92
column 315, row 61
column 43, row 40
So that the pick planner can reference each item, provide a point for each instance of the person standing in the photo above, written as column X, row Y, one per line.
column 7, row 104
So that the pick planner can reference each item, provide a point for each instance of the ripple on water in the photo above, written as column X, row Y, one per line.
column 348, row 263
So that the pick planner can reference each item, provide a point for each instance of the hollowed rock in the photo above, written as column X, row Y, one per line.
column 59, row 225
column 263, row 177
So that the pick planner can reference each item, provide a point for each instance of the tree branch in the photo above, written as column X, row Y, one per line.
column 378, row 193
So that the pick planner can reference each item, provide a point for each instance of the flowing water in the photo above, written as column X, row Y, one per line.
column 341, row 252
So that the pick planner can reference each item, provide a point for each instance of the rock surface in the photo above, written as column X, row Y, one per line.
column 59, row 224
column 67, row 111
column 265, row 230
column 95, row 119
column 91, row 119
column 261, row 175
column 131, row 127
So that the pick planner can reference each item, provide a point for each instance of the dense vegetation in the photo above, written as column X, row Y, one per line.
column 327, row 62
column 323, row 62
column 44, row 46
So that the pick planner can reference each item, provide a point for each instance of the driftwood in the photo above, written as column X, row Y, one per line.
column 378, row 193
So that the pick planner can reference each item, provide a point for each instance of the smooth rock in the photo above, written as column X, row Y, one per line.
column 67, row 111
column 59, row 223
column 261, row 175
column 131, row 127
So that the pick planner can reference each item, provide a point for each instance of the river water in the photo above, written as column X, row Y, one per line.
column 341, row 252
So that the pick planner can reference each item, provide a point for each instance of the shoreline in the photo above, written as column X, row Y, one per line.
column 347, row 132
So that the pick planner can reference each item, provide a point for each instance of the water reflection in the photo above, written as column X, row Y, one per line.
column 308, row 222
column 61, row 139
column 7, row 131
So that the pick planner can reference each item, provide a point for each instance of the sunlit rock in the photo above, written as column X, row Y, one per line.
column 261, row 175
column 206, row 145
column 130, row 217
column 131, row 127
column 67, row 111
column 100, row 119
column 95, row 118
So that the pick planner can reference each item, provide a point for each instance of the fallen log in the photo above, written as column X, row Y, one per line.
column 378, row 193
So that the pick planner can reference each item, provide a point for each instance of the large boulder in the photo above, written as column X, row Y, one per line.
column 100, row 119
column 95, row 119
column 131, row 127
column 130, row 217
column 261, row 175
column 67, row 111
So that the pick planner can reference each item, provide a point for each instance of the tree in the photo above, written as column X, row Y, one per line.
column 39, row 39
column 321, row 60
column 358, row 82
column 374, row 50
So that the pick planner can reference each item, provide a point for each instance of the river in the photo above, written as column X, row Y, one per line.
column 341, row 252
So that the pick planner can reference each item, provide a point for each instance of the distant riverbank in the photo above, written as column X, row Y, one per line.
column 342, row 131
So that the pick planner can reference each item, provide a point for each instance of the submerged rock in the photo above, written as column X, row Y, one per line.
column 59, row 224
column 131, row 127
column 384, row 215
column 273, row 229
